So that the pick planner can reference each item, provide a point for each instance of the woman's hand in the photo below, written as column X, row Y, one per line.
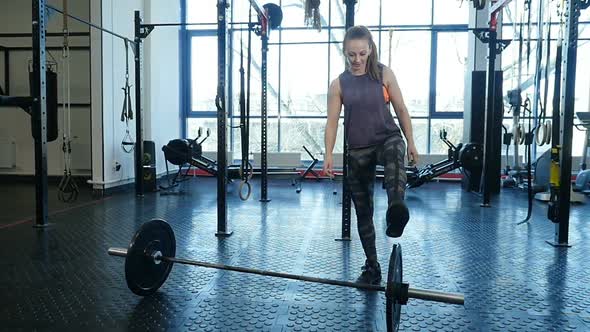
column 413, row 156
column 328, row 165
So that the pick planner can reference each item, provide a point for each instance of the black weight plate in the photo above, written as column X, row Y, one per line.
column 471, row 157
column 275, row 15
column 147, row 158
column 144, row 276
column 147, row 175
column 177, row 151
column 394, row 281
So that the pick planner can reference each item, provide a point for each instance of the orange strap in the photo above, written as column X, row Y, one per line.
column 386, row 95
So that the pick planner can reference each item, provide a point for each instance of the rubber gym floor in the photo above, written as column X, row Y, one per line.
column 61, row 278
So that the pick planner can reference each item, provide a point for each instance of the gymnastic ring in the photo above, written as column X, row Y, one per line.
column 241, row 190
column 540, row 134
column 549, row 131
column 521, row 135
column 251, row 172
column 517, row 133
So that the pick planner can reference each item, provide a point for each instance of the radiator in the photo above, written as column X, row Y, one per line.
column 279, row 159
column 213, row 156
column 425, row 159
column 7, row 153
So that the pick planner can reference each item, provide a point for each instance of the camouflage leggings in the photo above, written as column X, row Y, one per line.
column 361, row 178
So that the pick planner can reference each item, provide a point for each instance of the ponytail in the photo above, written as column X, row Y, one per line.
column 373, row 62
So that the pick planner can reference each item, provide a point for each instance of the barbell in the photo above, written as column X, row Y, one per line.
column 151, row 254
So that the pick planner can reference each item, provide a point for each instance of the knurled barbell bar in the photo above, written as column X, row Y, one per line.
column 151, row 253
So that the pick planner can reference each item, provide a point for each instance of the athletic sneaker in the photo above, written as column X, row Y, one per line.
column 397, row 217
column 371, row 274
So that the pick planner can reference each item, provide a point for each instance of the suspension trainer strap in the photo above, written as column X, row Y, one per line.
column 547, row 134
column 244, row 160
column 67, row 189
column 246, row 169
column 527, row 4
column 127, row 144
column 528, row 143
column 249, row 62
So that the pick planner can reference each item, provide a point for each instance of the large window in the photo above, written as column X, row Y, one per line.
column 201, row 11
column 454, row 130
column 203, row 73
column 449, row 12
column 408, row 54
column 423, row 41
column 415, row 12
column 302, row 62
column 451, row 60
column 302, row 93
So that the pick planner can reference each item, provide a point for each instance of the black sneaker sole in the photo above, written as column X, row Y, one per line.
column 397, row 218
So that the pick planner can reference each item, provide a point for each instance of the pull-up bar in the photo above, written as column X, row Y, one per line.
column 269, row 16
column 254, row 3
column 189, row 24
column 260, row 10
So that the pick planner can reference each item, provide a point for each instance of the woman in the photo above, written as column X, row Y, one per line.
column 365, row 89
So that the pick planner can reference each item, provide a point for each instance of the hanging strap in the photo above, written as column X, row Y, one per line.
column 547, row 66
column 127, row 112
column 542, row 135
column 246, row 169
column 243, row 130
column 67, row 189
column 127, row 144
column 528, row 142
column 249, row 63
column 527, row 5
column 516, row 102
column 537, row 100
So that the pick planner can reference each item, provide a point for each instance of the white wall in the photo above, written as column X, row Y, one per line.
column 96, row 92
column 15, row 124
column 117, row 16
column 160, row 85
column 15, row 16
column 162, row 75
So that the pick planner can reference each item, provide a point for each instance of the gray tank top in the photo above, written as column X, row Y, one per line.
column 367, row 117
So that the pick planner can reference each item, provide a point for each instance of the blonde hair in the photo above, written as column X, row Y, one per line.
column 361, row 32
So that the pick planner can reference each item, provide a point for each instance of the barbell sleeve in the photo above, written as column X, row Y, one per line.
column 437, row 296
column 120, row 252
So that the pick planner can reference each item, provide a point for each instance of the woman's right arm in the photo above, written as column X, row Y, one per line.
column 334, row 109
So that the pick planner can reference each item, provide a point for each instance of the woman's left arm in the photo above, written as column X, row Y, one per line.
column 401, row 111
